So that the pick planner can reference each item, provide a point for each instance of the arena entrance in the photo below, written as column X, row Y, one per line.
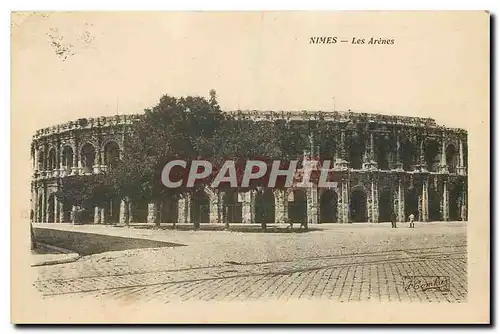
column 357, row 205
column 200, row 207
column 264, row 206
column 434, row 205
column 454, row 201
column 411, row 203
column 328, row 207
column 385, row 205
column 50, row 208
column 232, row 208
column 297, row 210
column 169, row 210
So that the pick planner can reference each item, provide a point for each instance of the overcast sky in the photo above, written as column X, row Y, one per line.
column 124, row 62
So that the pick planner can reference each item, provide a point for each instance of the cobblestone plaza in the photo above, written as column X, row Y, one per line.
column 339, row 262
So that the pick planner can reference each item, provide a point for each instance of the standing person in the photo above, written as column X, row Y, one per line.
column 393, row 220
column 412, row 218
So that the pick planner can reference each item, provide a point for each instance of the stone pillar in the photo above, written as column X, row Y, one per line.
column 443, row 167
column 103, row 216
column 463, row 205
column 216, row 206
column 61, row 213
column 424, row 201
column 76, row 158
column 422, row 155
column 74, row 209
column 56, row 210
column 248, row 206
column 281, row 205
column 372, row 204
column 341, row 155
column 343, row 202
column 152, row 213
column 400, row 203
column 184, row 209
column 461, row 163
column 445, row 203
column 97, row 215
column 46, row 207
column 312, row 204
column 124, row 213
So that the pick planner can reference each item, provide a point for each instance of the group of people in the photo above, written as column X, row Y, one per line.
column 411, row 218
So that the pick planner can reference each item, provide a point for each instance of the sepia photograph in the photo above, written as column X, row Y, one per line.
column 264, row 167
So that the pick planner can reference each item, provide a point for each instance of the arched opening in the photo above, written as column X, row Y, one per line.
column 328, row 207
column 67, row 157
column 434, row 205
column 232, row 208
column 407, row 153
column 385, row 205
column 52, row 162
column 200, row 207
column 140, row 211
column 169, row 210
column 451, row 158
column 356, row 151
column 297, row 210
column 88, row 158
column 431, row 155
column 264, row 206
column 383, row 150
column 411, row 203
column 50, row 208
column 111, row 154
column 454, row 201
column 357, row 205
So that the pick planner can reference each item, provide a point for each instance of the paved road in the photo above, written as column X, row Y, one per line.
column 432, row 269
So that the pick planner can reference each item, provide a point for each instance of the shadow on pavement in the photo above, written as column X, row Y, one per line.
column 91, row 243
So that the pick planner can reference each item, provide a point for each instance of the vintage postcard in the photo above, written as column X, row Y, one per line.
column 250, row 167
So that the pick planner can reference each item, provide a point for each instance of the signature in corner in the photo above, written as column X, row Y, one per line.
column 424, row 283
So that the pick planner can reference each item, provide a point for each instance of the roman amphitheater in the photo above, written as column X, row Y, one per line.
column 383, row 164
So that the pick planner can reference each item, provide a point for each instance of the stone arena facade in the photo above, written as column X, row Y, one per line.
column 383, row 164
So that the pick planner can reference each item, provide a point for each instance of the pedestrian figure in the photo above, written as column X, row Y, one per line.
column 412, row 218
column 393, row 220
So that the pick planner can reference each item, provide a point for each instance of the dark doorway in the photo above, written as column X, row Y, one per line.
column 454, row 201
column 264, row 206
column 298, row 208
column 232, row 208
column 411, row 203
column 140, row 211
column 434, row 205
column 328, row 207
column 50, row 209
column 385, row 205
column 66, row 207
column 169, row 210
column 357, row 208
column 200, row 207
